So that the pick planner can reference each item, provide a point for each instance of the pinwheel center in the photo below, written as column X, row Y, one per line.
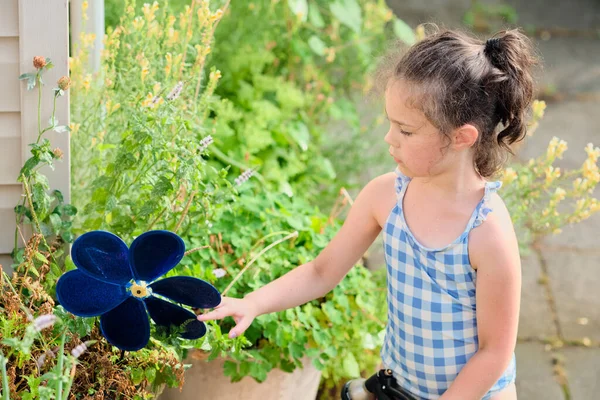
column 140, row 289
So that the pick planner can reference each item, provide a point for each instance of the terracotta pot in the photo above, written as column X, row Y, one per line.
column 205, row 380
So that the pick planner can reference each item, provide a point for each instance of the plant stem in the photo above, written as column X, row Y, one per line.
column 185, row 211
column 61, row 359
column 5, row 388
column 221, row 156
column 263, row 251
column 38, row 77
column 195, row 249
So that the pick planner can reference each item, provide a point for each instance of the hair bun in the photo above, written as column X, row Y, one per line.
column 492, row 50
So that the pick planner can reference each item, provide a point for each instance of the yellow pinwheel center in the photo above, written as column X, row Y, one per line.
column 139, row 289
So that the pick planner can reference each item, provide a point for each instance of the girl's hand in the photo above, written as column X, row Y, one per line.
column 243, row 312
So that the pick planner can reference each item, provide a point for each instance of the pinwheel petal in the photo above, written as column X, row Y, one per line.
column 84, row 296
column 168, row 314
column 190, row 291
column 155, row 253
column 127, row 326
column 103, row 256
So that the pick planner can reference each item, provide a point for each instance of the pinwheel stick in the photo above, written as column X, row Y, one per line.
column 263, row 251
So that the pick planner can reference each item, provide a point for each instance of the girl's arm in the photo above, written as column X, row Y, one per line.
column 315, row 278
column 494, row 251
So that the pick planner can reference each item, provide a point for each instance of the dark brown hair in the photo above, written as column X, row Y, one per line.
column 457, row 79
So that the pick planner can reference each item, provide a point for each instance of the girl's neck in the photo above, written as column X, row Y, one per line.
column 459, row 181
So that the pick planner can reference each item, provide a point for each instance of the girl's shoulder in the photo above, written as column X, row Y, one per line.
column 382, row 195
column 496, row 236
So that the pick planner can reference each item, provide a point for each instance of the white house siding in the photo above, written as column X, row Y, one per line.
column 28, row 28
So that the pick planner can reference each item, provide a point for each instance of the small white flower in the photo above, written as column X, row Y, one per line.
column 244, row 177
column 219, row 272
column 175, row 92
column 82, row 348
column 204, row 143
column 44, row 321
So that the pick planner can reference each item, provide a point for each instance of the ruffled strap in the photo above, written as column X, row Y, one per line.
column 483, row 209
column 400, row 184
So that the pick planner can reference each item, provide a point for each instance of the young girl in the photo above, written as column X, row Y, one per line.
column 455, row 104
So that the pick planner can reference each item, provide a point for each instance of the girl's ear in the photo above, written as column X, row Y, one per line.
column 465, row 137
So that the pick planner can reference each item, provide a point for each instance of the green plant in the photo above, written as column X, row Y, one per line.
column 119, row 127
column 45, row 212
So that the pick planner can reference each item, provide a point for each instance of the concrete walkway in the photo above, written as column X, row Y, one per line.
column 558, row 351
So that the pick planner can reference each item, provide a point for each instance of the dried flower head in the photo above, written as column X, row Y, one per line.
column 57, row 153
column 39, row 62
column 64, row 83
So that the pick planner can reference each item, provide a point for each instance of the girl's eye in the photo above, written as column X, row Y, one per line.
column 405, row 133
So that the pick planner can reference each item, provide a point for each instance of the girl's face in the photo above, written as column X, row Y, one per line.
column 415, row 144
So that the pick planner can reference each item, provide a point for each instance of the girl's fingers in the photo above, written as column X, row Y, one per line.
column 240, row 327
column 219, row 313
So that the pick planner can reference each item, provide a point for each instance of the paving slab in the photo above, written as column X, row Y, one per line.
column 534, row 373
column 570, row 65
column 582, row 235
column 578, row 123
column 574, row 14
column 574, row 280
column 583, row 370
column 535, row 319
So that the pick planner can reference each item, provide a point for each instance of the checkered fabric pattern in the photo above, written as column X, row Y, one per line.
column 432, row 327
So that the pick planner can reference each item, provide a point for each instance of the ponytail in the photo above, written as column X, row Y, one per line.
column 511, row 58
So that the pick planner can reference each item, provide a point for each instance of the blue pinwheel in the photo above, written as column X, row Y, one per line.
column 119, row 285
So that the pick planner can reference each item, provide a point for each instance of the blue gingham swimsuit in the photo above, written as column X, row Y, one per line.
column 432, row 327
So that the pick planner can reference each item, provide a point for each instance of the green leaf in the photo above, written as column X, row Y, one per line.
column 350, row 366
column 55, row 222
column 29, row 165
column 31, row 80
column 40, row 257
column 348, row 12
column 69, row 210
column 62, row 128
column 317, row 45
column 314, row 16
column 299, row 7
column 230, row 368
column 150, row 374
column 404, row 32
column 300, row 134
column 137, row 375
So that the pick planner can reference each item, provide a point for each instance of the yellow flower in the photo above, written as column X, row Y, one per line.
column 551, row 174
column 508, row 175
column 559, row 194
column 148, row 100
column 94, row 140
column 169, row 65
column 138, row 23
column 594, row 205
column 590, row 170
column 87, row 81
column 215, row 75
column 556, row 148
column 87, row 39
column 84, row 7
column 74, row 127
column 592, row 152
column 149, row 11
